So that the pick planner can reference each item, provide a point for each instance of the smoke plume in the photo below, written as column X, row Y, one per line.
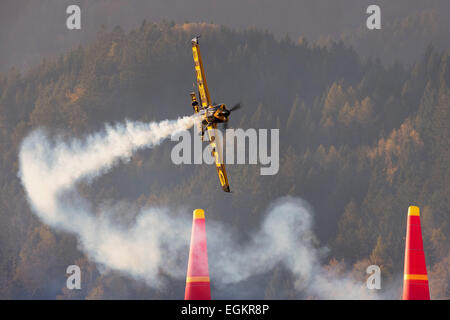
column 157, row 240
column 50, row 170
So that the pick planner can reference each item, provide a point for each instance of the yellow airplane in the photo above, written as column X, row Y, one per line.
column 210, row 115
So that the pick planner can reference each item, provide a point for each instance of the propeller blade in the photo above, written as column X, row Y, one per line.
column 236, row 107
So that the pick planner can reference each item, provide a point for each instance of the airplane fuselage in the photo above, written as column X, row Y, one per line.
column 214, row 114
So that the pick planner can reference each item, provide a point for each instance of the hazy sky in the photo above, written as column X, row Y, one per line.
column 32, row 29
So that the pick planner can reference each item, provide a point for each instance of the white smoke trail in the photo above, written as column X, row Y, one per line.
column 285, row 238
column 49, row 172
column 47, row 169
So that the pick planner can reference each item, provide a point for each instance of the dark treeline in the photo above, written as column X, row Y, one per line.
column 358, row 140
column 408, row 26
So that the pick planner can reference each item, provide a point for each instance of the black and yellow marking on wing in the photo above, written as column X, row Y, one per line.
column 201, row 78
column 216, row 152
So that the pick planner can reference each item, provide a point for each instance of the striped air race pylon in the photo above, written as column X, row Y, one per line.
column 415, row 281
column 197, row 278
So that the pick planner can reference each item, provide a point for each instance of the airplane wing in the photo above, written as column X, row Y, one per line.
column 216, row 146
column 200, row 71
column 206, row 102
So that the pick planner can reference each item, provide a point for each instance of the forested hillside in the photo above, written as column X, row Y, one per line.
column 408, row 26
column 358, row 140
column 401, row 39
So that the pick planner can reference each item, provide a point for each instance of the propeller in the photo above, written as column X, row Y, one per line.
column 235, row 107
